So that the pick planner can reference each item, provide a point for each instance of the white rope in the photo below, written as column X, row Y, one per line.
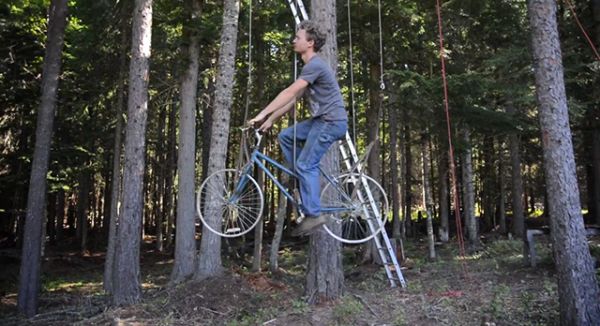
column 381, row 82
column 351, row 58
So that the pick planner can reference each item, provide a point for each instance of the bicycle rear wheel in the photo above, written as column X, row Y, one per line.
column 229, row 204
column 365, row 207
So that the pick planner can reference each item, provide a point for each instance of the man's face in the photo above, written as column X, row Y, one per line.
column 301, row 44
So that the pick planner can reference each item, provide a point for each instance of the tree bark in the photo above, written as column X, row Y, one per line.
column 518, row 214
column 428, row 193
column 502, row 190
column 259, row 228
column 394, row 171
column 279, row 223
column 444, row 230
column 488, row 192
column 407, row 193
column 115, row 190
column 577, row 285
column 469, row 194
column 209, row 261
column 325, row 275
column 596, row 172
column 82, row 210
column 126, row 271
column 185, row 242
column 29, row 277
column 170, row 173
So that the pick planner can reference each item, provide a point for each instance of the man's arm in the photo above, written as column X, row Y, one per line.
column 275, row 115
column 282, row 100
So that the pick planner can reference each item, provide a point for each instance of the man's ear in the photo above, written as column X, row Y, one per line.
column 311, row 43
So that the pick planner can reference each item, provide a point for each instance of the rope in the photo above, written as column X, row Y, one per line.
column 243, row 154
column 585, row 34
column 351, row 59
column 381, row 83
column 451, row 147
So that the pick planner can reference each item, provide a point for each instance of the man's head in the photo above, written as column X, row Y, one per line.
column 309, row 36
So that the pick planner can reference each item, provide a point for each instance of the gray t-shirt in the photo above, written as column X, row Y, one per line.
column 325, row 95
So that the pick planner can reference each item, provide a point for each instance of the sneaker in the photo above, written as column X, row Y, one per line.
column 309, row 225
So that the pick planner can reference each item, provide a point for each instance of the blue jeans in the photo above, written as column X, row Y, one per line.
column 317, row 136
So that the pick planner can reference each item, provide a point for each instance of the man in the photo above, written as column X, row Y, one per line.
column 329, row 121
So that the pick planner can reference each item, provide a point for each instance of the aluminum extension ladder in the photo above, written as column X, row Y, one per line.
column 385, row 249
column 350, row 158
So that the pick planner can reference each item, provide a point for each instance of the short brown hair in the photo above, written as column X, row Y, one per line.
column 313, row 33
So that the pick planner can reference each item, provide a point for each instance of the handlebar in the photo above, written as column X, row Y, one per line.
column 258, row 135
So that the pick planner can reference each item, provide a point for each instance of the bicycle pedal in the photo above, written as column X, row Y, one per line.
column 300, row 218
column 233, row 230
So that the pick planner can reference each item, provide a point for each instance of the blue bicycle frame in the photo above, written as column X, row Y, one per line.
column 257, row 157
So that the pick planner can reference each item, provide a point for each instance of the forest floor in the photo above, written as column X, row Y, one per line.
column 493, row 287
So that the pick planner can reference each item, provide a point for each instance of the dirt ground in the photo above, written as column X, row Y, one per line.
column 492, row 287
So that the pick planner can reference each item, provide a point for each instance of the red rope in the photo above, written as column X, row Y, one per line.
column 587, row 37
column 459, row 232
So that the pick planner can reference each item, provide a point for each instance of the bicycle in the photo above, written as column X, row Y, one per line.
column 356, row 202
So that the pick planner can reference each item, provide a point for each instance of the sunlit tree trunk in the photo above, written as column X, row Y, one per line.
column 407, row 177
column 185, row 242
column 29, row 276
column 126, row 273
column 325, row 276
column 394, row 169
column 428, row 192
column 577, row 284
column 209, row 261
column 259, row 228
column 469, row 193
column 170, row 173
column 115, row 190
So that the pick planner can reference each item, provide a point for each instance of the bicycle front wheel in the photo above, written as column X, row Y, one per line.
column 229, row 203
column 363, row 207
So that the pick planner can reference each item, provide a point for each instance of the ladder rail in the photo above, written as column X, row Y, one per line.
column 391, row 256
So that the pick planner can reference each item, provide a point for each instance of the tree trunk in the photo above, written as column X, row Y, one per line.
column 82, row 211
column 518, row 217
column 60, row 214
column 488, row 192
column 469, row 194
column 171, row 171
column 577, row 284
column 209, row 261
column 502, row 190
column 444, row 230
column 394, row 171
column 407, row 194
column 325, row 275
column 596, row 127
column 115, row 190
column 126, row 281
column 185, row 242
column 29, row 278
column 428, row 193
column 596, row 172
column 279, row 223
column 258, row 229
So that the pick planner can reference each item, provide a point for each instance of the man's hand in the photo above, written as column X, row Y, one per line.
column 266, row 125
column 258, row 118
